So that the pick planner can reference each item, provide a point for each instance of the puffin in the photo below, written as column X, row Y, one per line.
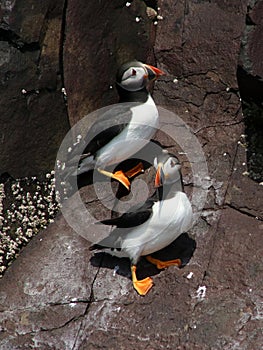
column 152, row 226
column 125, row 127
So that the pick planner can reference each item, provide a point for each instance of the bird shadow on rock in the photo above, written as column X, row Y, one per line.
column 181, row 248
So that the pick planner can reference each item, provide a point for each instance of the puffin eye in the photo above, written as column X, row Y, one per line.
column 172, row 163
column 134, row 72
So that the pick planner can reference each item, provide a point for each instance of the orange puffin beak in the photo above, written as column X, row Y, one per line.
column 153, row 72
column 159, row 177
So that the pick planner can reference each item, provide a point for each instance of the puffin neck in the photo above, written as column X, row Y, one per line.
column 132, row 96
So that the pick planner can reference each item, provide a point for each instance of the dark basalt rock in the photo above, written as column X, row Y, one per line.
column 33, row 114
column 250, row 80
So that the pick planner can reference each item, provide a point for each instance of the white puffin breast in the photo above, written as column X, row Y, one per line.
column 164, row 226
column 142, row 127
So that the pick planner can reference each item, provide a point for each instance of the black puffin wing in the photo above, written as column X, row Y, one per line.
column 113, row 240
column 106, row 127
column 136, row 216
column 125, row 224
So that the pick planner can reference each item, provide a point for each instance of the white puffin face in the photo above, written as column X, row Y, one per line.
column 134, row 78
column 171, row 170
column 168, row 167
column 135, row 75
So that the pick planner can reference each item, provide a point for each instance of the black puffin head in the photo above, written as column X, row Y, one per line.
column 134, row 76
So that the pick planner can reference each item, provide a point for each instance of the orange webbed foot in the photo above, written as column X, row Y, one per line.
column 122, row 178
column 135, row 171
column 141, row 286
column 119, row 176
column 164, row 264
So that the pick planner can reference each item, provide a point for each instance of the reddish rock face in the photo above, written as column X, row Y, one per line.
column 56, row 294
column 93, row 52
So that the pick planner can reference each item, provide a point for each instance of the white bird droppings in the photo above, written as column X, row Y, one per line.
column 151, row 13
column 64, row 92
column 190, row 275
column 201, row 293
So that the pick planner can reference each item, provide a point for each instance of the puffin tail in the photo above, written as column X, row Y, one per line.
column 96, row 247
column 73, row 169
column 85, row 165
